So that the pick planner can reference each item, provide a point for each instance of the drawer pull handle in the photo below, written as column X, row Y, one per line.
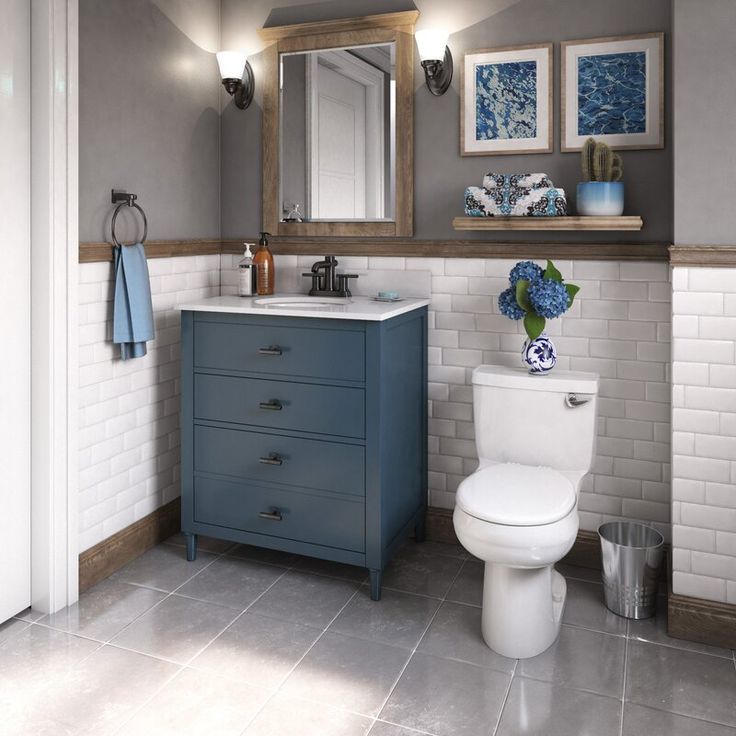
column 272, row 405
column 273, row 515
column 270, row 350
column 272, row 459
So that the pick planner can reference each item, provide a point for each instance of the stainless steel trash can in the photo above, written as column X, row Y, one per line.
column 632, row 557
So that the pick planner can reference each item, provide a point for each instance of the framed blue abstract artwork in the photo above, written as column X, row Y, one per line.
column 506, row 101
column 613, row 90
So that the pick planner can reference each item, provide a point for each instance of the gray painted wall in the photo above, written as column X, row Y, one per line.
column 704, row 113
column 441, row 174
column 149, row 118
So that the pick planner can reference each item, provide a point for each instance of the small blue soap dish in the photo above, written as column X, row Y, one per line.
column 388, row 296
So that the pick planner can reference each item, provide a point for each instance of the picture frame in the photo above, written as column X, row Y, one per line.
column 506, row 101
column 625, row 72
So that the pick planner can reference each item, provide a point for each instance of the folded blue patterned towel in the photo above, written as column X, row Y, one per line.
column 525, row 181
column 508, row 201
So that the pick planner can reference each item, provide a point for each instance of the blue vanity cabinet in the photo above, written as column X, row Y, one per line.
column 305, row 435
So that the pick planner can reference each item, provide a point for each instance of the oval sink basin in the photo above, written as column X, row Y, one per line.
column 299, row 302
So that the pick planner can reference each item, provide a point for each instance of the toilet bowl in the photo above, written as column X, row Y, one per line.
column 518, row 512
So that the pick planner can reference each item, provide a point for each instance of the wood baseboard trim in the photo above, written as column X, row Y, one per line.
column 707, row 622
column 102, row 560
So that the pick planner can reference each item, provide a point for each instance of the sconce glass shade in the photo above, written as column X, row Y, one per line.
column 431, row 44
column 231, row 63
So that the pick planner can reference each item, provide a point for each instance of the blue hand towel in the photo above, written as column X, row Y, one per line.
column 132, row 322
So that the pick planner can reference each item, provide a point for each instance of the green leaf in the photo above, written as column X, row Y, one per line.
column 571, row 291
column 534, row 325
column 522, row 295
column 552, row 273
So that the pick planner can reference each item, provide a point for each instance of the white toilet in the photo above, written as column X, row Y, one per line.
column 519, row 511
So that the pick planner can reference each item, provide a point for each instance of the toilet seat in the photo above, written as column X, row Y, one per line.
column 516, row 495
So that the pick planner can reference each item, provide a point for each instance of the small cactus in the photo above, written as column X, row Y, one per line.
column 586, row 159
column 600, row 163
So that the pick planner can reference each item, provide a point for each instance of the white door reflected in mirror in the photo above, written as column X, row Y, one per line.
column 337, row 134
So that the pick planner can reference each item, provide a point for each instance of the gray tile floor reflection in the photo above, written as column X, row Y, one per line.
column 258, row 643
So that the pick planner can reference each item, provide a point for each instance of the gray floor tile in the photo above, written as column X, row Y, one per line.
column 30, row 614
column 257, row 649
column 104, row 610
column 263, row 554
column 204, row 544
column 415, row 571
column 580, row 659
column 347, row 673
column 164, row 567
column 446, row 698
column 688, row 683
column 584, row 607
column 176, row 629
column 11, row 627
column 37, row 656
column 455, row 634
column 655, row 630
column 331, row 569
column 534, row 708
column 284, row 716
column 573, row 572
column 232, row 582
column 381, row 728
column 639, row 720
column 441, row 548
column 312, row 600
column 468, row 587
column 199, row 704
column 398, row 618
column 104, row 691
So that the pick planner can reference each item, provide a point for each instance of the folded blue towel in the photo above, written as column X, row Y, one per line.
column 132, row 322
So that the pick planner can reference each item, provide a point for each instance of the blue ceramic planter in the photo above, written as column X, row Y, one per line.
column 600, row 198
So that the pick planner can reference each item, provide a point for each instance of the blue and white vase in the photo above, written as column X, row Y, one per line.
column 539, row 355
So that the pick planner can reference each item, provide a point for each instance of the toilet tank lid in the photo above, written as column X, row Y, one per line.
column 558, row 381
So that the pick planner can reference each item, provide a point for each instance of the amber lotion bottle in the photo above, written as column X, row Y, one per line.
column 263, row 261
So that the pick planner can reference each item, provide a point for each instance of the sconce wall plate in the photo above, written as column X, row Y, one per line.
column 241, row 90
column 438, row 74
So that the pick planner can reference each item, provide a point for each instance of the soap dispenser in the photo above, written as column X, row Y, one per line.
column 246, row 273
column 263, row 260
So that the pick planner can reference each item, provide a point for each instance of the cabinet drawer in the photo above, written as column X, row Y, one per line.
column 298, row 515
column 280, row 351
column 285, row 405
column 328, row 466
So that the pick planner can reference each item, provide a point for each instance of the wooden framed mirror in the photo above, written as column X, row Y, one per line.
column 338, row 127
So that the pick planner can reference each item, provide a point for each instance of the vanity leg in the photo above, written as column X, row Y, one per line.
column 191, row 540
column 419, row 529
column 376, row 584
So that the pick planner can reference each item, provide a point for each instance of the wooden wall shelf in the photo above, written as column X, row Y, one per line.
column 626, row 222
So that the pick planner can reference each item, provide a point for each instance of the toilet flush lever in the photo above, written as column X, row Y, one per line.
column 573, row 400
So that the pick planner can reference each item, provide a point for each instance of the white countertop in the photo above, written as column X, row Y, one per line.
column 356, row 307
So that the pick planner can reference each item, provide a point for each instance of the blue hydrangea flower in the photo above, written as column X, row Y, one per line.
column 525, row 270
column 549, row 298
column 508, row 306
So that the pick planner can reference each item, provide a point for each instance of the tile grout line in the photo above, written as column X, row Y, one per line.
column 505, row 699
column 299, row 661
column 186, row 665
column 419, row 641
column 625, row 675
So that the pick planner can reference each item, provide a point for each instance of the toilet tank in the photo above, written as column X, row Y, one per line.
column 523, row 418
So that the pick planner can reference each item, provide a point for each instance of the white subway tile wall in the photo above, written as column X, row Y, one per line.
column 129, row 410
column 618, row 327
column 704, row 433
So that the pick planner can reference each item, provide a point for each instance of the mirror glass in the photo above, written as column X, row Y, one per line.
column 338, row 134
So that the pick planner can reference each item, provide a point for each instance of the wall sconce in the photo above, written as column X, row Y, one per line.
column 237, row 76
column 436, row 60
